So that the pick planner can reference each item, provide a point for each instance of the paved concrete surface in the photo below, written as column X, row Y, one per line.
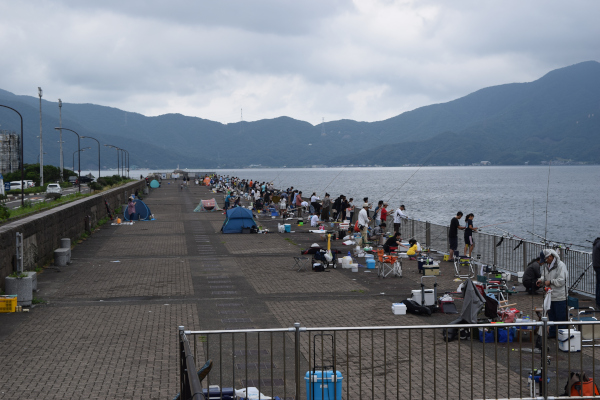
column 109, row 328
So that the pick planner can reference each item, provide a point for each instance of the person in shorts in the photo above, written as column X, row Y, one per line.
column 469, row 229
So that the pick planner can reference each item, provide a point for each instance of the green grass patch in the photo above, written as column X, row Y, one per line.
column 290, row 241
column 29, row 207
column 37, row 300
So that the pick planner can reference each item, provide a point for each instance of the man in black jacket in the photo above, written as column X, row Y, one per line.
column 531, row 276
column 596, row 265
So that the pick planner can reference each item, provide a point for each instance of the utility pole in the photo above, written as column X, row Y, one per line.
column 41, row 142
column 61, row 149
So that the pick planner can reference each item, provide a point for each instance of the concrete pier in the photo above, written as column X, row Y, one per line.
column 109, row 328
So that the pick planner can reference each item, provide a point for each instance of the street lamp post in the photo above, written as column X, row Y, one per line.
column 89, row 137
column 127, row 154
column 118, row 156
column 22, row 170
column 77, row 151
column 61, row 149
column 79, row 158
column 40, row 92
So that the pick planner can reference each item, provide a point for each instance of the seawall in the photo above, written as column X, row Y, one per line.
column 42, row 231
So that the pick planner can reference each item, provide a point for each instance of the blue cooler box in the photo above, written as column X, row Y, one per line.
column 370, row 263
column 323, row 388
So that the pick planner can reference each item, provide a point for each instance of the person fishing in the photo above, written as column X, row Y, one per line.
column 469, row 229
column 363, row 223
column 453, row 234
column 531, row 276
column 596, row 265
column 399, row 215
column 555, row 276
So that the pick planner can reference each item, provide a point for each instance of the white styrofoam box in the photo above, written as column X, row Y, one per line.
column 367, row 256
column 354, row 267
column 563, row 340
column 429, row 297
column 520, row 276
column 523, row 320
column 399, row 308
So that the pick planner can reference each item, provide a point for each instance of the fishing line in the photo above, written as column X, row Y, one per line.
column 547, row 198
column 334, row 179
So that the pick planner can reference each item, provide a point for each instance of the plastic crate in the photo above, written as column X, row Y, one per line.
column 8, row 304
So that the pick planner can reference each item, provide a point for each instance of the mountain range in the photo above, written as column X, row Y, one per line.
column 554, row 117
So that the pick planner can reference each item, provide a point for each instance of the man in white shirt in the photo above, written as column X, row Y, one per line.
column 314, row 220
column 399, row 215
column 363, row 223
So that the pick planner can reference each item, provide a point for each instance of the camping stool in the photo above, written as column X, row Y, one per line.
column 300, row 263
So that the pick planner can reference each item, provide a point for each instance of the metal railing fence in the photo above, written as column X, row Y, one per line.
column 505, row 253
column 396, row 362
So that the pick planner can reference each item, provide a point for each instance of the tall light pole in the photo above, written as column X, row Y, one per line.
column 41, row 141
column 22, row 170
column 127, row 159
column 61, row 149
column 78, row 155
column 89, row 137
column 115, row 147
column 78, row 148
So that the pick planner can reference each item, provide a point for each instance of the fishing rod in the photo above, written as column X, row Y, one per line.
column 499, row 223
column 334, row 179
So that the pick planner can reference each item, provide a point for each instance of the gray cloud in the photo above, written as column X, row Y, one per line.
column 365, row 60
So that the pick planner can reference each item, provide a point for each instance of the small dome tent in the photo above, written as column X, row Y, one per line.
column 237, row 219
column 142, row 212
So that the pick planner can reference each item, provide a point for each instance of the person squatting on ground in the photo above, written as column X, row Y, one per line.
column 363, row 223
column 532, row 275
column 554, row 277
column 453, row 234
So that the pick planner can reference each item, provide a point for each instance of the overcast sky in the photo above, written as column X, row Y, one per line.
column 365, row 60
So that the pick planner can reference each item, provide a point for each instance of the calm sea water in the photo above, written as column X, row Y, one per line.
column 514, row 196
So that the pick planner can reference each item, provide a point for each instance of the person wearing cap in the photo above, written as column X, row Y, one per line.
column 554, row 276
column 131, row 208
column 363, row 223
column 399, row 215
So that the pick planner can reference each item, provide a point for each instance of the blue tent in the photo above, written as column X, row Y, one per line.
column 142, row 212
column 238, row 218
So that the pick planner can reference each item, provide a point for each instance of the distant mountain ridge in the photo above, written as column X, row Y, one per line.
column 556, row 116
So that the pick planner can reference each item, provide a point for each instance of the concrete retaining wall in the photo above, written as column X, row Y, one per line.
column 42, row 232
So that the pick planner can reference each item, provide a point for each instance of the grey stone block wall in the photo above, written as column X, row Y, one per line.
column 50, row 226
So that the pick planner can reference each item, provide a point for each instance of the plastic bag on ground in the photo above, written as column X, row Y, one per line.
column 253, row 394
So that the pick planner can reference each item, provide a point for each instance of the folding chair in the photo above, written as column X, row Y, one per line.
column 589, row 333
column 463, row 262
column 387, row 265
column 300, row 263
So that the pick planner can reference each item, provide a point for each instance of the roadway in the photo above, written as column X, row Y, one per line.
column 36, row 198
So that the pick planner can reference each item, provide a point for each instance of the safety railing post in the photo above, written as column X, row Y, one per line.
column 412, row 228
column 524, row 245
column 428, row 234
column 182, row 371
column 447, row 240
column 495, row 251
column 297, row 359
column 544, row 382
